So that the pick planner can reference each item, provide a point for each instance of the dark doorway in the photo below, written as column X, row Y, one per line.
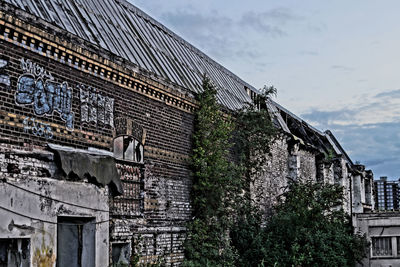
column 76, row 242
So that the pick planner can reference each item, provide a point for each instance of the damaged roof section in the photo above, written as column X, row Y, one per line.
column 127, row 32
column 96, row 166
column 325, row 142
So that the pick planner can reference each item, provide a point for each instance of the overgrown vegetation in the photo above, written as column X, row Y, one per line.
column 214, row 184
column 254, row 132
column 306, row 229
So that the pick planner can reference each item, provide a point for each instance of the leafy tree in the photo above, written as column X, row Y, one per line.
column 254, row 132
column 307, row 229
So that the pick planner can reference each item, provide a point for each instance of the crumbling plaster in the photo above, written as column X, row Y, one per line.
column 34, row 215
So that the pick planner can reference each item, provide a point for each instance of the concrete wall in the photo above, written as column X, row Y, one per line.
column 362, row 190
column 379, row 225
column 30, row 205
column 342, row 176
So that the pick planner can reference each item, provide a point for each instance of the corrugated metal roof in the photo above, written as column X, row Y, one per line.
column 128, row 32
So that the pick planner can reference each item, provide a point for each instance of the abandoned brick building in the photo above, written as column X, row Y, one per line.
column 96, row 117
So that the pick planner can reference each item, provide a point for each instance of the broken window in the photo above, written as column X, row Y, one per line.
column 76, row 242
column 14, row 252
column 127, row 148
column 120, row 254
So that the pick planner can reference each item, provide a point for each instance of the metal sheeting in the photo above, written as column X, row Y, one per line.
column 128, row 32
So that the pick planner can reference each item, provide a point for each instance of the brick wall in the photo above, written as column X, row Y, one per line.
column 291, row 160
column 162, row 112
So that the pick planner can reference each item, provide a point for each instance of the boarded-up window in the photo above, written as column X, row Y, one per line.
column 76, row 242
column 14, row 252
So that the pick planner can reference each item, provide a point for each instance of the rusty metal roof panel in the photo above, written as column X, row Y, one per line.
column 128, row 32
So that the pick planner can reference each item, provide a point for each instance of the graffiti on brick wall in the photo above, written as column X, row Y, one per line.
column 40, row 129
column 37, row 87
column 4, row 77
column 95, row 107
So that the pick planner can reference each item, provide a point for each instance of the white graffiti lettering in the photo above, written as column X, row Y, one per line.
column 33, row 68
column 95, row 107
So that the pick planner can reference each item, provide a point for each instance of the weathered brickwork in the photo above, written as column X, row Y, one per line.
column 273, row 176
column 308, row 165
column 155, row 206
column 287, row 160
column 167, row 128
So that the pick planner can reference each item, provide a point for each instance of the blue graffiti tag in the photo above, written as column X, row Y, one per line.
column 4, row 78
column 46, row 96
column 37, row 128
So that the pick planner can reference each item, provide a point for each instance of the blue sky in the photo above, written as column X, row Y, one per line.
column 335, row 63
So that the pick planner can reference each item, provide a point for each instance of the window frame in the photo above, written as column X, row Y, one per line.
column 137, row 145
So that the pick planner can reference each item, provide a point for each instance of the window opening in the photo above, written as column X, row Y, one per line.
column 127, row 148
column 14, row 252
column 120, row 254
column 381, row 246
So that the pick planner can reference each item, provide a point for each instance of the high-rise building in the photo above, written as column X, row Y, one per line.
column 387, row 194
